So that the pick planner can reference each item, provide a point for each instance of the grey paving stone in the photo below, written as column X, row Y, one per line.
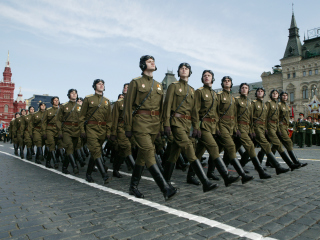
column 285, row 220
column 16, row 233
column 146, row 235
column 272, row 227
column 108, row 232
column 211, row 232
column 129, row 234
column 172, row 236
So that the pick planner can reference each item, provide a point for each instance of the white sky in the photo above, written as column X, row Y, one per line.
column 58, row 45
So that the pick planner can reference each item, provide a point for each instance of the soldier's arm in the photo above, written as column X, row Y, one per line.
column 44, row 123
column 130, row 98
column 14, row 129
column 115, row 118
column 167, row 105
column 23, row 124
column 109, row 120
column 251, row 118
column 161, row 114
column 83, row 113
column 59, row 117
column 235, row 116
column 196, row 109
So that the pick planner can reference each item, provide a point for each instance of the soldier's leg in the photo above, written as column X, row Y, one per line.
column 37, row 140
column 68, row 143
column 124, row 147
column 21, row 144
column 51, row 144
column 303, row 139
column 28, row 142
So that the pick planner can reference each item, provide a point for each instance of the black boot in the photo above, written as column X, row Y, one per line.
column 89, row 170
column 276, row 164
column 79, row 158
column 29, row 154
column 244, row 158
column 222, row 169
column 48, row 160
column 130, row 162
column 102, row 171
column 168, row 170
column 46, row 152
column 32, row 151
column 206, row 184
column 167, row 190
column 86, row 150
column 65, row 166
column 21, row 152
column 40, row 154
column 258, row 167
column 286, row 158
column 158, row 161
column 237, row 166
column 181, row 164
column 210, row 172
column 83, row 154
column 260, row 156
column 54, row 159
column 295, row 159
column 61, row 153
column 16, row 149
column 73, row 164
column 135, row 179
column 191, row 177
column 116, row 167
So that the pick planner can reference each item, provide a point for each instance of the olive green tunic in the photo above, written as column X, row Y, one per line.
column 144, row 127
column 35, row 128
column 180, row 127
column 19, row 131
column 309, row 134
column 25, row 125
column 12, row 132
column 96, row 133
column 284, row 123
column 301, row 132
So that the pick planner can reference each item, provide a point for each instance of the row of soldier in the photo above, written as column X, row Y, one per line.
column 186, row 121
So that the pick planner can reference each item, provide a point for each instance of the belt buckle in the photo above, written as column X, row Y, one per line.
column 72, row 124
column 153, row 113
column 212, row 119
column 186, row 116
column 99, row 123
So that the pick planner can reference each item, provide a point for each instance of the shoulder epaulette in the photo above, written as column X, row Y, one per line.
column 62, row 104
column 137, row 78
column 238, row 97
column 254, row 100
column 106, row 98
column 90, row 95
column 119, row 100
column 49, row 108
column 176, row 82
column 269, row 101
column 220, row 92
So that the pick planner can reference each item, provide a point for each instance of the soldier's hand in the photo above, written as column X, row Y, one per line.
column 108, row 137
column 113, row 137
column 199, row 134
column 237, row 134
column 82, row 135
column 162, row 133
column 167, row 131
column 266, row 132
column 279, row 133
column 44, row 136
column 252, row 136
column 218, row 133
column 195, row 133
column 128, row 134
column 31, row 136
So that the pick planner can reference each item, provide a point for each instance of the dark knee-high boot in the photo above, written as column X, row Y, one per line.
column 210, row 172
column 237, row 166
column 135, row 179
column 61, row 153
column 79, row 158
column 244, row 158
column 158, row 161
column 168, row 170
column 29, row 154
column 39, row 155
column 65, row 165
column 130, row 162
column 191, row 177
column 102, row 171
column 54, row 159
column 89, row 170
column 276, row 164
column 258, row 167
column 116, row 167
column 73, row 164
column 167, row 190
column 46, row 152
column 260, row 156
column 16, row 146
column 295, row 159
column 222, row 169
column 48, row 160
column 206, row 184
column 286, row 158
column 21, row 152
column 83, row 154
column 181, row 164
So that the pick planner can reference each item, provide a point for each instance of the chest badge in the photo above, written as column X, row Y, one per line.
column 242, row 103
column 284, row 109
column 122, row 105
column 180, row 90
column 37, row 116
column 91, row 102
column 79, row 108
column 106, row 102
column 143, row 85
column 206, row 95
column 158, row 86
column 258, row 106
column 50, row 113
column 272, row 106
column 66, row 108
column 224, row 99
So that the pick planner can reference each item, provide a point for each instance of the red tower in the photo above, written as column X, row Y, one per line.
column 7, row 107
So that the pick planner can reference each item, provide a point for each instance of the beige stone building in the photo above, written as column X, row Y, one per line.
column 299, row 71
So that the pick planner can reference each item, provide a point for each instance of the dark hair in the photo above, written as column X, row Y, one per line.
column 41, row 103
column 260, row 88
column 142, row 63
column 22, row 110
column 272, row 91
column 224, row 78
column 30, row 108
column 208, row 71
column 282, row 94
column 120, row 95
column 53, row 99
column 242, row 85
column 187, row 65
column 70, row 91
column 15, row 115
column 95, row 83
column 80, row 98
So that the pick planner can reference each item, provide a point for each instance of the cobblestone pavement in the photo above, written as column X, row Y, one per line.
column 38, row 203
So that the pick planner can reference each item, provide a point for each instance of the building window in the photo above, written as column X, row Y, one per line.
column 310, row 72
column 304, row 73
column 316, row 71
column 5, row 117
column 313, row 90
column 288, row 75
column 6, row 108
column 305, row 93
column 293, row 75
column 291, row 98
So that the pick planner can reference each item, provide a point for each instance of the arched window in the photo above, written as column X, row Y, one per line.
column 305, row 93
column 314, row 90
column 6, row 108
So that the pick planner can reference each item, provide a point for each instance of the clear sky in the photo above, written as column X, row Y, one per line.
column 56, row 45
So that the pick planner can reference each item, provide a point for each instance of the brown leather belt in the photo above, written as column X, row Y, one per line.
column 283, row 123
column 147, row 112
column 270, row 121
column 243, row 122
column 52, row 125
column 227, row 117
column 71, row 124
column 260, row 122
column 301, row 126
column 97, row 123
column 209, row 120
column 120, row 121
column 309, row 128
column 178, row 115
column 37, row 127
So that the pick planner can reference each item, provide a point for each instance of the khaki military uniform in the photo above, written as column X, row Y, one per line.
column 25, row 125
column 309, row 134
column 244, row 120
column 145, row 124
column 228, row 123
column 99, row 125
column 273, row 124
column 117, row 129
column 35, row 128
column 181, row 121
column 284, row 123
column 314, row 133
column 292, row 126
column 204, row 97
column 318, row 133
column 49, row 128
column 18, row 131
column 12, row 132
column 301, row 130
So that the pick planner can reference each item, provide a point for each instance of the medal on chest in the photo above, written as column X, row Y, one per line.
column 158, row 86
column 180, row 90
column 224, row 99
column 67, row 108
column 143, row 85
column 106, row 102
column 206, row 95
column 78, row 108
column 92, row 102
column 50, row 113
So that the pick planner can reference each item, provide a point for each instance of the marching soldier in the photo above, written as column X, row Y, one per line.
column 178, row 109
column 309, row 131
column 67, row 124
column 19, row 131
column 50, row 132
column 260, row 111
column 35, row 131
column 95, row 124
column 318, row 132
column 273, row 128
column 314, row 129
column 142, row 115
column 292, row 126
column 301, row 130
column 206, row 120
column 27, row 136
column 13, row 133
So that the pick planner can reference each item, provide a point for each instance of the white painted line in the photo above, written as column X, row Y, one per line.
column 199, row 219
column 1, row 145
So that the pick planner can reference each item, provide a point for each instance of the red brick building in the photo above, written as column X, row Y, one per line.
column 7, row 104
